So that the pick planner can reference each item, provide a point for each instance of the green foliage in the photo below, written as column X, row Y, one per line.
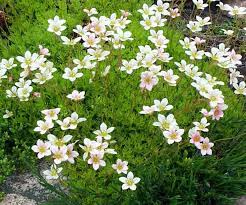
column 170, row 174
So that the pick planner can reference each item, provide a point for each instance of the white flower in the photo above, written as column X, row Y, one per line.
column 28, row 61
column 51, row 113
column 7, row 64
column 96, row 159
column 42, row 148
column 44, row 126
column 8, row 114
column 85, row 63
column 162, row 8
column 82, row 31
column 123, row 36
column 76, row 95
column 24, row 93
column 192, row 72
column 194, row 26
column 228, row 32
column 59, row 142
column 90, row 40
column 2, row 74
column 72, row 75
column 146, row 10
column 194, row 53
column 104, row 131
column 162, row 105
column 166, row 123
column 41, row 78
column 173, row 135
column 240, row 89
column 90, row 12
column 120, row 166
column 56, row 25
column 215, row 96
column 129, row 66
column 169, row 77
column 89, row 146
column 203, row 22
column 70, row 42
column 53, row 173
column 98, row 54
column 129, row 182
column 59, row 154
column 65, row 124
column 12, row 93
column 202, row 85
column 148, row 23
column 186, row 43
column 199, row 4
column 75, row 120
column 234, row 11
column 205, row 147
column 202, row 126
column 183, row 65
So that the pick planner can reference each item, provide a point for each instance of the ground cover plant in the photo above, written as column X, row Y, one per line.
column 125, row 106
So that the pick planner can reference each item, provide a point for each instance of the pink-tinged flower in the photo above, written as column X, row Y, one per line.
column 120, row 166
column 174, row 12
column 173, row 135
column 59, row 154
column 51, row 114
column 205, row 147
column 129, row 182
column 96, row 160
column 205, row 113
column 148, row 80
column 36, row 94
column 148, row 110
column 198, row 40
column 42, row 148
column 43, row 51
column 217, row 112
column 71, row 153
column 195, row 136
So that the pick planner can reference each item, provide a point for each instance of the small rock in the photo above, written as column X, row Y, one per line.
column 15, row 199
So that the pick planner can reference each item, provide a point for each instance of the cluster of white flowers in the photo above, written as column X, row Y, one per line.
column 34, row 66
column 101, row 31
column 153, row 17
column 94, row 150
column 205, row 87
column 56, row 148
column 159, row 106
column 232, row 10
column 94, row 35
column 168, row 125
column 68, row 123
column 97, row 149
column 222, row 56
column 196, row 26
